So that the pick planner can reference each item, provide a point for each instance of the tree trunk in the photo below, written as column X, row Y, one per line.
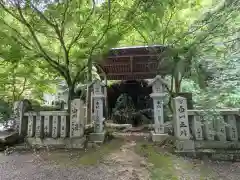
column 71, row 95
column 88, row 101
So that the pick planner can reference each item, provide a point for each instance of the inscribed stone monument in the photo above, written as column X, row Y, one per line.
column 77, row 118
column 181, row 125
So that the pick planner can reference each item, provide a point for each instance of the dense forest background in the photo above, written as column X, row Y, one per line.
column 44, row 42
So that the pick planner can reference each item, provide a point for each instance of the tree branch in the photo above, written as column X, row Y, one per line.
column 75, row 39
column 166, row 27
column 23, row 87
column 22, row 20
column 19, row 35
column 58, row 32
column 64, row 18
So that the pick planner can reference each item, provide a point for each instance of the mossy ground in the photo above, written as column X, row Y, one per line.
column 166, row 166
column 90, row 156
column 162, row 165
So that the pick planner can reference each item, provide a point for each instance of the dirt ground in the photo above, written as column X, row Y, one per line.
column 117, row 160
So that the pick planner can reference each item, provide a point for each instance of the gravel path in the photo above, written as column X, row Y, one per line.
column 30, row 167
column 123, row 164
column 192, row 169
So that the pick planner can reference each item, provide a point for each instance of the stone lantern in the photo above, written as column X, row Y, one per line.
column 158, row 97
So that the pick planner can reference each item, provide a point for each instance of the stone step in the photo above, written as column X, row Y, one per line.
column 132, row 135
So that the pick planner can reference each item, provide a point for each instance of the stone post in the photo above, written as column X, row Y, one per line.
column 158, row 97
column 31, row 125
column 63, row 131
column 77, row 119
column 220, row 128
column 21, row 121
column 55, row 127
column 47, row 126
column 181, row 125
column 197, row 128
column 98, row 98
column 231, row 130
column 39, row 126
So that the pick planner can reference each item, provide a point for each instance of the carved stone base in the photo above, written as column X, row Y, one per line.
column 75, row 143
column 97, row 137
column 184, row 146
column 217, row 145
column 158, row 137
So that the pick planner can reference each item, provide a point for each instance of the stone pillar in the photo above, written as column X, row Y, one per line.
column 181, row 126
column 220, row 128
column 31, row 125
column 47, row 126
column 208, row 130
column 231, row 130
column 77, row 118
column 63, row 131
column 197, row 128
column 21, row 122
column 158, row 97
column 98, row 98
column 55, row 127
column 39, row 126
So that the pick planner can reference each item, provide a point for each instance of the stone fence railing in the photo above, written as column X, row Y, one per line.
column 53, row 124
column 205, row 129
column 219, row 125
column 47, row 124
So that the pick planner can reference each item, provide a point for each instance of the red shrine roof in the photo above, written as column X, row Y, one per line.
column 130, row 63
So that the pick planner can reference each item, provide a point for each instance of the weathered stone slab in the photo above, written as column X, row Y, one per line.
column 39, row 126
column 217, row 145
column 181, row 124
column 158, row 137
column 97, row 137
column 47, row 126
column 231, row 129
column 63, row 127
column 31, row 125
column 55, row 127
column 197, row 128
